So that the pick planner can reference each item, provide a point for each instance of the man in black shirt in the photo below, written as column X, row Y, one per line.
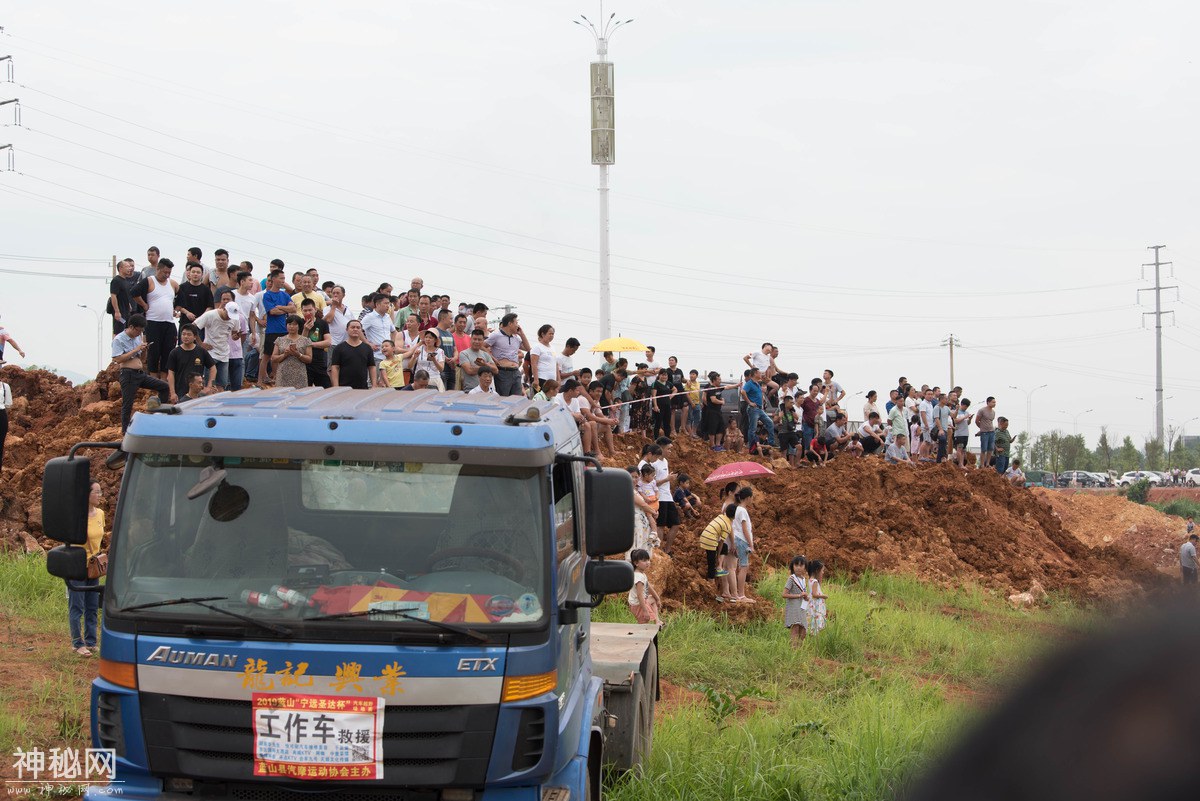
column 316, row 330
column 194, row 297
column 186, row 359
column 353, row 361
column 120, row 301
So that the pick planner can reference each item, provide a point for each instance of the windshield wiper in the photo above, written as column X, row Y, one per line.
column 282, row 631
column 462, row 631
column 172, row 602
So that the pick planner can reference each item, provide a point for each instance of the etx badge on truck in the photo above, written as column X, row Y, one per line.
column 481, row 663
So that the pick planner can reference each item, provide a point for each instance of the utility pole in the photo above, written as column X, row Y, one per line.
column 1158, row 313
column 952, row 341
column 114, row 266
column 603, row 143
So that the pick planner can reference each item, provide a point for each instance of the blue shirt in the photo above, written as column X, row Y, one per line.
column 276, row 323
column 753, row 393
column 123, row 343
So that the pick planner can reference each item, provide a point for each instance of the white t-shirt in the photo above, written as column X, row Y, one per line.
column 217, row 333
column 661, row 471
column 868, row 408
column 337, row 326
column 579, row 404
column 546, row 361
column 742, row 529
column 246, row 304
column 1014, row 472
column 565, row 364
column 910, row 409
column 479, row 390
column 789, row 392
column 760, row 360
column 638, row 578
column 925, row 414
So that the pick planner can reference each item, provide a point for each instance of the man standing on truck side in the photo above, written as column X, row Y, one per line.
column 127, row 350
column 506, row 345
column 353, row 363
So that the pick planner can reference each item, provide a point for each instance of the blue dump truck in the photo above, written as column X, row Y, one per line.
column 319, row 593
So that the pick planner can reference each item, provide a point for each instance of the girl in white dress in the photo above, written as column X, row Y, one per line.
column 795, row 611
column 816, row 607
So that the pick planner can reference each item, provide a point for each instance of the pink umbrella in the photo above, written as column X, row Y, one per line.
column 738, row 470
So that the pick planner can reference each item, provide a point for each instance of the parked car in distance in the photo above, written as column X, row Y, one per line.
column 1104, row 480
column 1078, row 478
column 1192, row 477
column 1039, row 478
column 1137, row 475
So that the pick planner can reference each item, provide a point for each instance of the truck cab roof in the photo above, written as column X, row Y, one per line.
column 344, row 423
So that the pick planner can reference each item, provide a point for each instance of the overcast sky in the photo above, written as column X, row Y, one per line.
column 853, row 181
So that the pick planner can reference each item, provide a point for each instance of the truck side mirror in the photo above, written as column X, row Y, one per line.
column 609, row 518
column 67, row 562
column 607, row 578
column 66, row 485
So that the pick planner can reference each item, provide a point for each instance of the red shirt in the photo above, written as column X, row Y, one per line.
column 810, row 407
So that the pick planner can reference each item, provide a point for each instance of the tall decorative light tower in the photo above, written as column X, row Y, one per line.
column 603, row 143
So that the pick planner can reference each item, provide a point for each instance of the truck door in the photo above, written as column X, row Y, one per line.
column 569, row 579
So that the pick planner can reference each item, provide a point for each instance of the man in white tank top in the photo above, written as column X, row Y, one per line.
column 158, row 291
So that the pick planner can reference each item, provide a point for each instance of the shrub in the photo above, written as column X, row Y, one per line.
column 1139, row 491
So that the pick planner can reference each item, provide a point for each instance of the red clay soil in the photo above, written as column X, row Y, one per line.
column 1099, row 520
column 47, row 417
column 940, row 523
column 1168, row 494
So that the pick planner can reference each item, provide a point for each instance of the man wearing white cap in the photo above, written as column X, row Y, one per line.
column 219, row 325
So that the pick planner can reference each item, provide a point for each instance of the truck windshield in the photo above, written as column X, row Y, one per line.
column 316, row 545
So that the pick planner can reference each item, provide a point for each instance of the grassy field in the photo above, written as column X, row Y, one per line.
column 854, row 714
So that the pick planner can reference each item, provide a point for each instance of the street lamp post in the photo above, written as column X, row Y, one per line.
column 1075, row 418
column 99, row 336
column 603, row 143
column 1029, row 410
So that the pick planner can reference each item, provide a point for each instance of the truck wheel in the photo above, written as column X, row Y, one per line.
column 622, row 746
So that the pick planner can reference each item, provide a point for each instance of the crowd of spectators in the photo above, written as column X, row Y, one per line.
column 233, row 328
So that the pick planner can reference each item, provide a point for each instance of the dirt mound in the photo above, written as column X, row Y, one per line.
column 47, row 417
column 1100, row 520
column 1168, row 494
column 937, row 522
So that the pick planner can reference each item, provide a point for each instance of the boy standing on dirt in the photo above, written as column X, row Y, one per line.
column 1003, row 447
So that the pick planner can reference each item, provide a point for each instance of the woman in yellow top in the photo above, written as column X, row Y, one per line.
column 84, row 607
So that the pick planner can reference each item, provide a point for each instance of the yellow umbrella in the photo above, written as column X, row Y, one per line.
column 617, row 345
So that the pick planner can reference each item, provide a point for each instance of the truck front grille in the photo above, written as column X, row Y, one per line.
column 213, row 739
